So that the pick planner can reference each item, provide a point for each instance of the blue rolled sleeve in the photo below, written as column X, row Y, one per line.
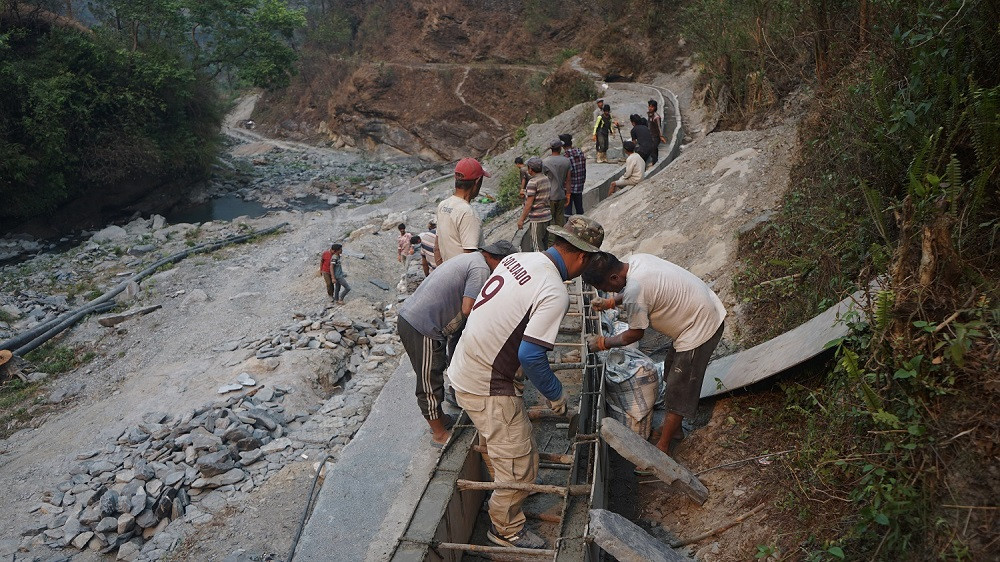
column 536, row 367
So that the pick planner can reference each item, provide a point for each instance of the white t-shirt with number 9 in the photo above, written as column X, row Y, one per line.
column 525, row 298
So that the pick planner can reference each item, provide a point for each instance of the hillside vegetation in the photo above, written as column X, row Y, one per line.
column 897, row 436
column 130, row 106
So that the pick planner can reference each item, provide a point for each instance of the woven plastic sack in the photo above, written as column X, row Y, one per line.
column 632, row 385
column 612, row 325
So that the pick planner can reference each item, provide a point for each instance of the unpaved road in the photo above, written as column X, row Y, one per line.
column 167, row 361
column 171, row 360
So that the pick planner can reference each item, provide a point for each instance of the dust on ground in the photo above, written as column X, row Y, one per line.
column 173, row 360
column 689, row 213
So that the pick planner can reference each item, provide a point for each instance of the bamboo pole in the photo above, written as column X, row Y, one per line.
column 546, row 457
column 496, row 549
column 575, row 490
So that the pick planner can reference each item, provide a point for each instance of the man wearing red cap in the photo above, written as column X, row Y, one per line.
column 459, row 228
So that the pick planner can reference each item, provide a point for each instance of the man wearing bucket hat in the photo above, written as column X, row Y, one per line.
column 513, row 323
column 459, row 228
column 436, row 310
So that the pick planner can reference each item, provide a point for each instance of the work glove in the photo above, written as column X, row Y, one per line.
column 596, row 343
column 558, row 406
column 599, row 304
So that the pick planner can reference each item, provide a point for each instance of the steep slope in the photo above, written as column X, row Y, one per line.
column 440, row 79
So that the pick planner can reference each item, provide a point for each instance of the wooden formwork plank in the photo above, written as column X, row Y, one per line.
column 645, row 456
column 626, row 541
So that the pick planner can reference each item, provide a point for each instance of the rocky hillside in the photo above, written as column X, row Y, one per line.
column 439, row 79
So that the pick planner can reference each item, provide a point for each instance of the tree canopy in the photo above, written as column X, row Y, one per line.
column 248, row 38
column 129, row 103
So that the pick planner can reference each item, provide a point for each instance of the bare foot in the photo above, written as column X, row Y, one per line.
column 439, row 439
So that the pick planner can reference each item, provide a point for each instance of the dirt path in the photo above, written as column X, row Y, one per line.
column 455, row 65
column 232, row 126
column 458, row 94
column 175, row 359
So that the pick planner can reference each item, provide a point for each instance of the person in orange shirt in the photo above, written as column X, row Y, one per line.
column 324, row 269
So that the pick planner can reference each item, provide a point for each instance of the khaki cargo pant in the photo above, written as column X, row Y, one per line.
column 504, row 428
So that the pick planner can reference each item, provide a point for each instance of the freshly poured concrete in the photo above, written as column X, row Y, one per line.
column 368, row 496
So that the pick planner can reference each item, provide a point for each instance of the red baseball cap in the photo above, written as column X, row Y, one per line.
column 469, row 169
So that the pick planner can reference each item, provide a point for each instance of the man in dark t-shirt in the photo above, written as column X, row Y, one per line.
column 642, row 137
column 656, row 129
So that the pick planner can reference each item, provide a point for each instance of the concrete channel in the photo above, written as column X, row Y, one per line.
column 391, row 496
column 448, row 523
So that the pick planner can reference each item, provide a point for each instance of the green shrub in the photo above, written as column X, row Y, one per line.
column 510, row 186
column 566, row 54
column 899, row 180
column 55, row 359
column 83, row 115
column 334, row 32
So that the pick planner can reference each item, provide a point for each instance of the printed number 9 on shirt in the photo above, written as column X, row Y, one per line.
column 490, row 290
column 495, row 283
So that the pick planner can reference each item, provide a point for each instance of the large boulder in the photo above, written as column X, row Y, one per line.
column 110, row 234
column 392, row 221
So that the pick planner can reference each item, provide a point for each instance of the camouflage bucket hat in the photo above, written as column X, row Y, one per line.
column 583, row 233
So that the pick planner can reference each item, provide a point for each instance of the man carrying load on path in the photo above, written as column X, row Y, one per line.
column 673, row 301
column 514, row 322
column 602, row 129
column 459, row 227
column 324, row 269
column 436, row 310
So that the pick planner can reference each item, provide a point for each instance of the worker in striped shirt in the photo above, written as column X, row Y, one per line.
column 427, row 242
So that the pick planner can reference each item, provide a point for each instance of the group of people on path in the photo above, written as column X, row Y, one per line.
column 489, row 314
column 646, row 133
column 641, row 150
column 551, row 190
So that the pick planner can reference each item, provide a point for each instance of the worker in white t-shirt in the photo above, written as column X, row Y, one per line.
column 459, row 228
column 673, row 301
column 513, row 323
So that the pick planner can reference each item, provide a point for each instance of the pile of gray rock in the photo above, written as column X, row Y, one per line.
column 167, row 470
column 142, row 495
column 354, row 343
column 26, row 308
